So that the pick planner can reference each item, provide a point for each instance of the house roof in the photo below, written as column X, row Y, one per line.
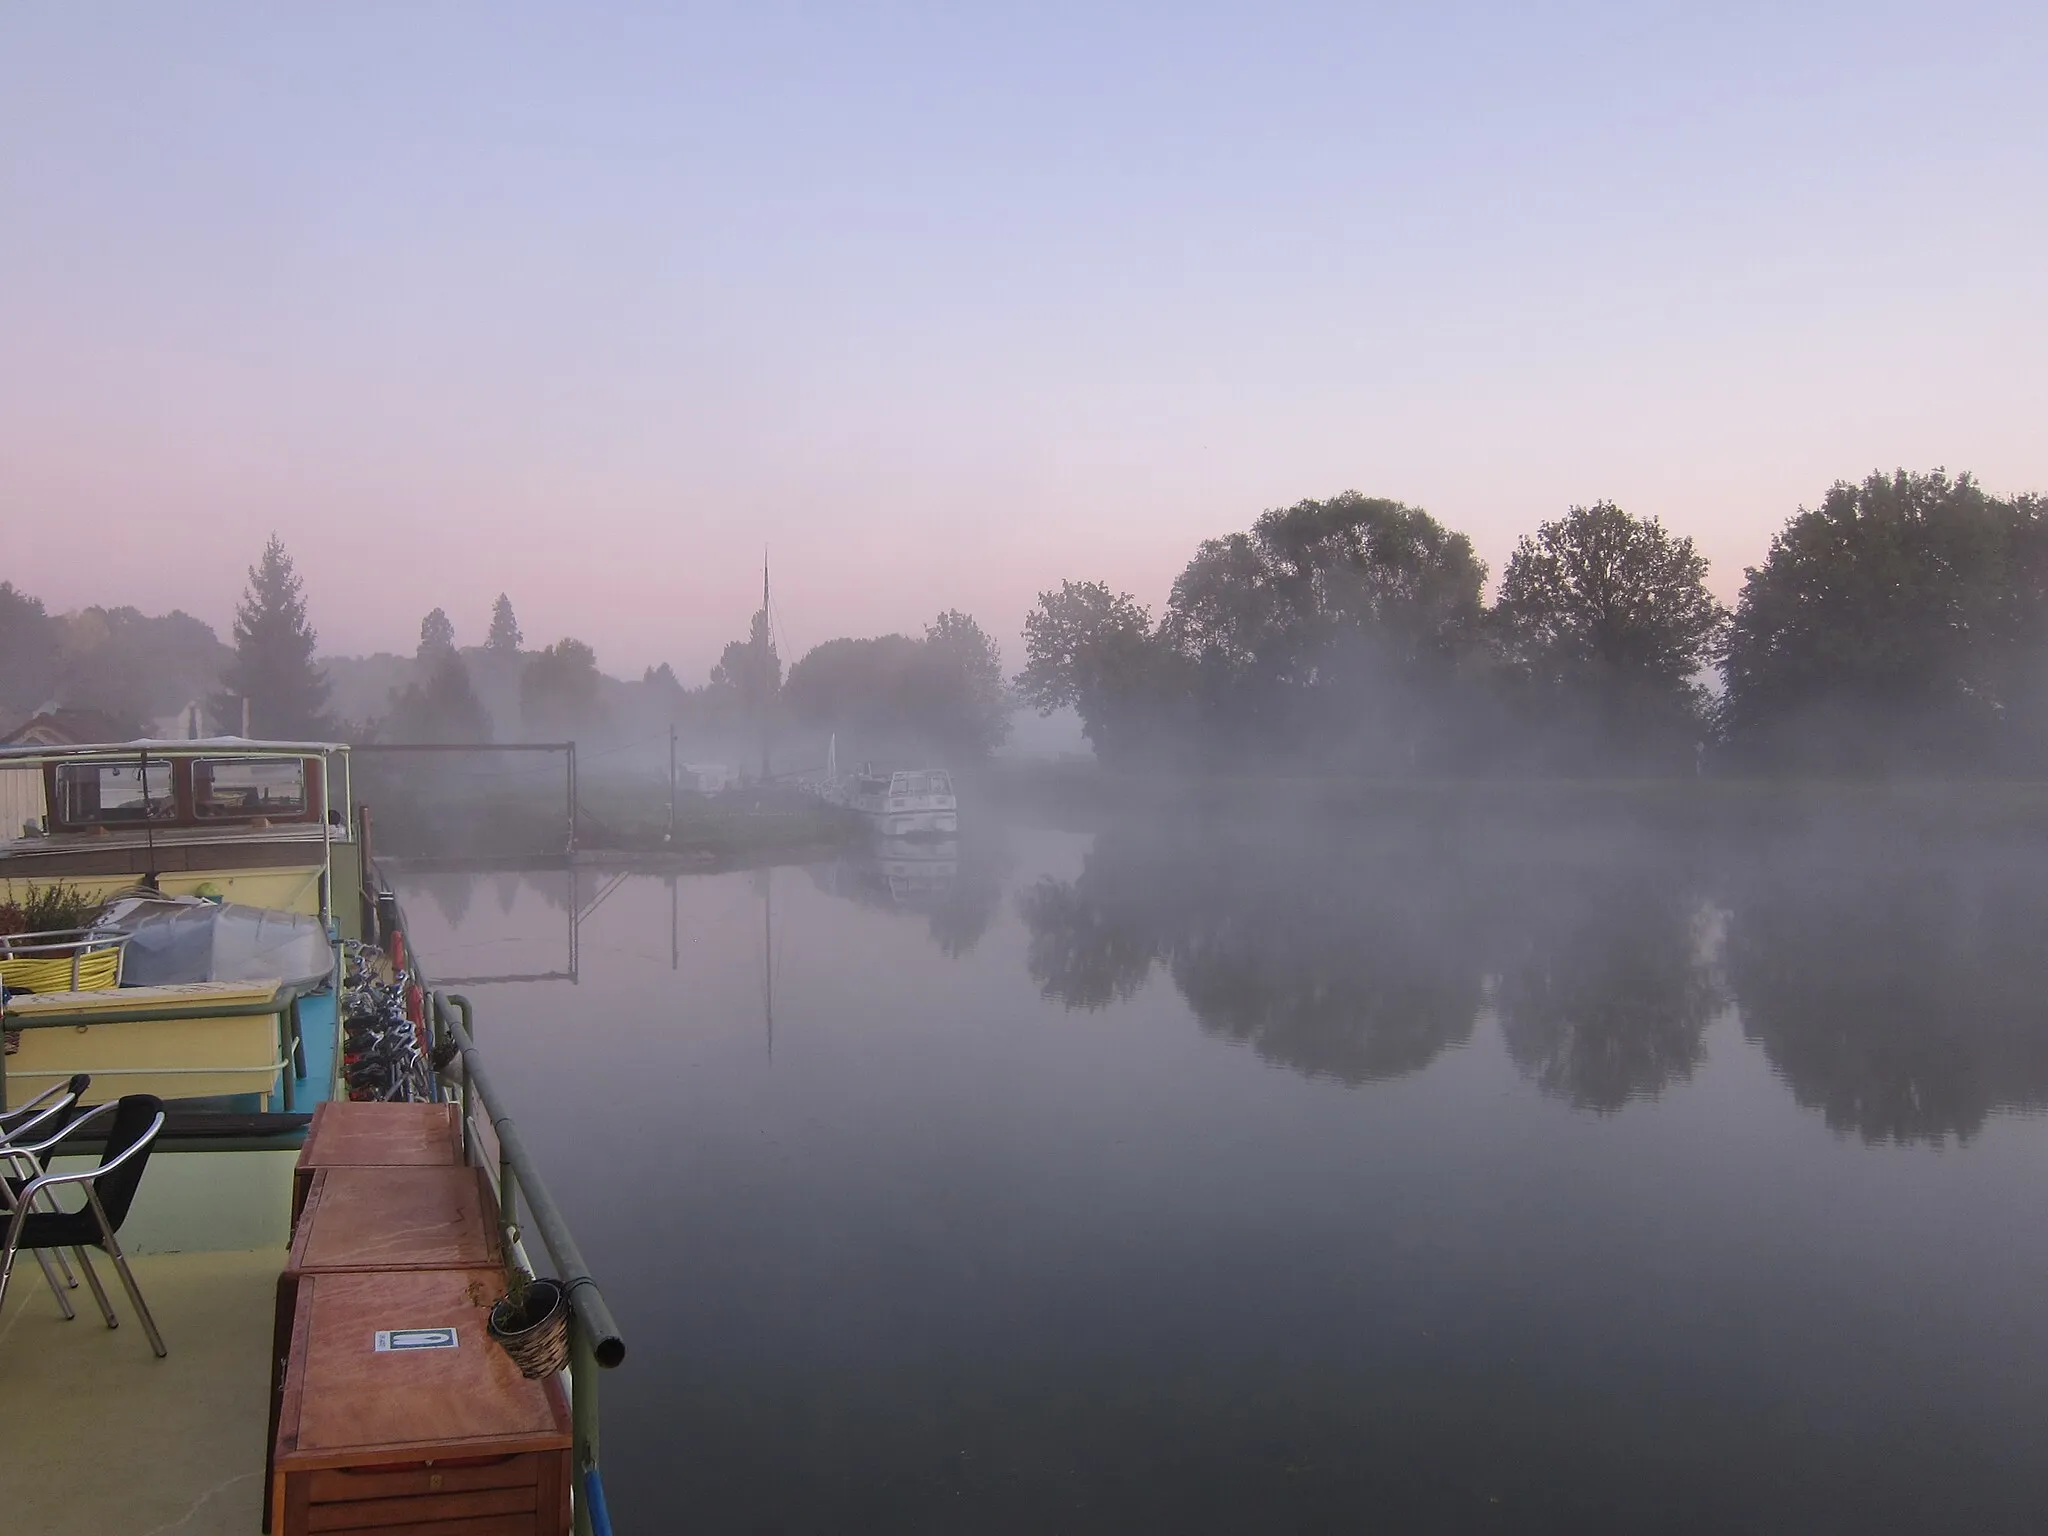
column 63, row 728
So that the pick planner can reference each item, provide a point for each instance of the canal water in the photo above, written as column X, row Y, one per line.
column 1170, row 1179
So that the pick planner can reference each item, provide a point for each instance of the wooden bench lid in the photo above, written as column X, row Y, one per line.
column 349, row 1403
column 348, row 1134
column 397, row 1217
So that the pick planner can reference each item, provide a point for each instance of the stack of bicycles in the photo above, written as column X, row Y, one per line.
column 382, row 1054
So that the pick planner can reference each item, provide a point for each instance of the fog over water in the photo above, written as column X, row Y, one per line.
column 1193, row 1176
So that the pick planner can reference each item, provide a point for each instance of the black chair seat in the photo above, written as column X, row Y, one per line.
column 110, row 1191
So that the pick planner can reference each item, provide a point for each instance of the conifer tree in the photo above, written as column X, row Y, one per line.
column 437, row 637
column 273, row 665
column 504, row 637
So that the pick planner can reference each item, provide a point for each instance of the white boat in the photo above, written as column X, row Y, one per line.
column 915, row 802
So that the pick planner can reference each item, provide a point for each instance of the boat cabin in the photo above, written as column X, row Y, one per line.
column 150, row 809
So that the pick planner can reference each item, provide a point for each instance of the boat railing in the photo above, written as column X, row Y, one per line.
column 595, row 1343
column 58, row 957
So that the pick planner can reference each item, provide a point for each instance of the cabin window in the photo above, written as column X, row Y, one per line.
column 249, row 786
column 101, row 794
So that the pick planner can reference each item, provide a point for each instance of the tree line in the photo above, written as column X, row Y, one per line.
column 942, row 691
column 1897, row 627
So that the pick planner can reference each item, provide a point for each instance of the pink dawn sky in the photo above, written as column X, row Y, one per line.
column 946, row 304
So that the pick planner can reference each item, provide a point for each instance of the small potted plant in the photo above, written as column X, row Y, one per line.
column 532, row 1321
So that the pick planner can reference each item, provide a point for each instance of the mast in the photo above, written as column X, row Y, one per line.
column 768, row 635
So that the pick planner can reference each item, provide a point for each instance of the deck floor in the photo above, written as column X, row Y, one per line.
column 98, row 1437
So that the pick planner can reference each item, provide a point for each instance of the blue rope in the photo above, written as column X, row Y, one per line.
column 593, row 1499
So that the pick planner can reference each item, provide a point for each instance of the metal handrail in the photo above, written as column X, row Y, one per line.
column 587, row 1300
column 594, row 1340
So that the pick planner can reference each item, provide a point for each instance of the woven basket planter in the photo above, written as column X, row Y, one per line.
column 535, row 1328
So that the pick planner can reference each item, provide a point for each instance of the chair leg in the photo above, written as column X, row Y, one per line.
column 64, row 1264
column 156, row 1340
column 56, row 1288
column 43, row 1262
column 99, row 1292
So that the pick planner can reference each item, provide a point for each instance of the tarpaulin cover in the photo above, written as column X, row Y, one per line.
column 181, row 938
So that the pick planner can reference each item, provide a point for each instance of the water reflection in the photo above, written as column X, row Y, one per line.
column 1318, row 959
column 1903, row 1001
column 1905, row 1004
column 956, row 886
column 1557, row 1259
column 1607, row 982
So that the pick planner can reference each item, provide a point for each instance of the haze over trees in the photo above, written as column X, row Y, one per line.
column 1092, row 650
column 442, row 706
column 136, row 669
column 504, row 638
column 893, row 694
column 1901, row 626
column 28, row 649
column 437, row 637
column 560, row 692
column 1606, row 621
column 751, row 669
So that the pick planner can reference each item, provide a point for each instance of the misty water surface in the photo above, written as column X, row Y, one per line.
column 1218, row 1183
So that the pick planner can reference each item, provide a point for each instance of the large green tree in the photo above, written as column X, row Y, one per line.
column 1334, row 627
column 1095, row 651
column 1901, row 624
column 1608, row 620
column 970, row 708
column 273, row 662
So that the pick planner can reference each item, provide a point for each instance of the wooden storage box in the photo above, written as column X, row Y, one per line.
column 380, row 1219
column 375, row 1435
column 346, row 1135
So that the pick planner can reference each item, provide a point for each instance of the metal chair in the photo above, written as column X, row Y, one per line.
column 50, row 1108
column 109, row 1192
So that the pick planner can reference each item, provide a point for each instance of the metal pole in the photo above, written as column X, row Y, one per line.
column 584, row 1296
column 572, row 797
column 508, row 1202
column 671, row 837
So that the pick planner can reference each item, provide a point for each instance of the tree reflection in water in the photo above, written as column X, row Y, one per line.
column 1905, row 1004
column 1606, row 983
column 1334, row 965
